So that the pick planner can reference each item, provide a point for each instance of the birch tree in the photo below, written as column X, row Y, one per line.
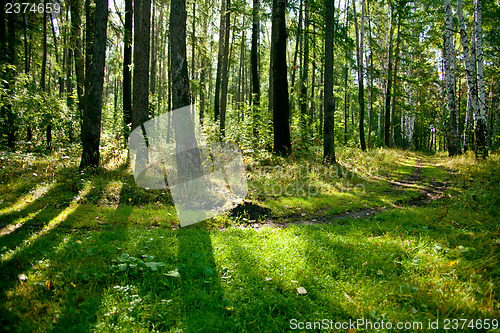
column 480, row 134
column 449, row 69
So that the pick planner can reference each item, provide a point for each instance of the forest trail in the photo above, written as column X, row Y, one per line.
column 430, row 190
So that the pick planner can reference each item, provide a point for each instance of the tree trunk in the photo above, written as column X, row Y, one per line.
column 394, row 82
column 304, row 71
column 297, row 43
column 359, row 57
column 188, row 167
column 469, row 71
column 254, row 55
column 127, row 70
column 44, row 56
column 89, row 40
column 193, row 45
column 91, row 130
column 76, row 42
column 142, row 25
column 281, row 106
column 449, row 60
column 225, row 73
column 480, row 132
column 329, row 128
column 220, row 59
column 387, row 118
column 370, row 111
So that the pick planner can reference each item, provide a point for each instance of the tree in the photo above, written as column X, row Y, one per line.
column 387, row 118
column 225, row 71
column 254, row 55
column 469, row 71
column 187, row 167
column 449, row 64
column 305, row 69
column 359, row 57
column 480, row 134
column 76, row 42
column 91, row 129
column 127, row 70
column 220, row 59
column 142, row 17
column 329, row 140
column 280, row 102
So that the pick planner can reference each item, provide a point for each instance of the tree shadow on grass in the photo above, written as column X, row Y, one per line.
column 203, row 305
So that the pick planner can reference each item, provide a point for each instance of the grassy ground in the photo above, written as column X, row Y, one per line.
column 92, row 252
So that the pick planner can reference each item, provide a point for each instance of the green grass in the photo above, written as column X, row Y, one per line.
column 99, row 254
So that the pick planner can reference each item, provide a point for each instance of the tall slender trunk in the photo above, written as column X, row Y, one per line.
column 225, row 73
column 394, row 82
column 370, row 111
column 359, row 58
column 76, row 42
column 329, row 130
column 127, row 70
column 254, row 59
column 449, row 60
column 91, row 130
column 220, row 58
column 297, row 43
column 142, row 27
column 280, row 102
column 480, row 126
column 387, row 118
column 193, row 49
column 44, row 56
column 304, row 72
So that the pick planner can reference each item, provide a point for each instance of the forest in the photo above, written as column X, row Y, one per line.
column 355, row 144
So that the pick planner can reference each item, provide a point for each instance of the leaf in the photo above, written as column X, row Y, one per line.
column 174, row 273
column 122, row 267
column 124, row 257
column 302, row 291
column 154, row 265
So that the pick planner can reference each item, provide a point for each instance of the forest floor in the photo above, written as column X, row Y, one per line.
column 387, row 235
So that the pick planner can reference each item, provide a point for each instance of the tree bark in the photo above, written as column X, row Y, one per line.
column 225, row 73
column 449, row 61
column 394, row 81
column 280, row 104
column 361, row 88
column 91, row 130
column 127, row 70
column 254, row 59
column 387, row 118
column 220, row 59
column 329, row 126
column 76, row 42
column 304, row 71
column 480, row 128
column 142, row 25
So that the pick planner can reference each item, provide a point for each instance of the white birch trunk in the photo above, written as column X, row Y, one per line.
column 449, row 61
column 480, row 133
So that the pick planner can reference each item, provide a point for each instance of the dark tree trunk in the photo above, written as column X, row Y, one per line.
column 387, row 118
column 76, row 42
column 361, row 87
column 127, row 72
column 91, row 130
column 89, row 40
column 281, row 106
column 225, row 72
column 305, row 69
column 220, row 58
column 142, row 19
column 394, row 81
column 329, row 134
column 254, row 62
column 187, row 167
column 44, row 55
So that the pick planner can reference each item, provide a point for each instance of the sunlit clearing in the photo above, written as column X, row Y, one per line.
column 51, row 225
column 111, row 194
column 36, row 193
column 18, row 223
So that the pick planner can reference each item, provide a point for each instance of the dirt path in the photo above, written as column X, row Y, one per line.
column 428, row 192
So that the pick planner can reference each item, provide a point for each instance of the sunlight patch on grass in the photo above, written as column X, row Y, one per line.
column 18, row 223
column 51, row 225
column 38, row 192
